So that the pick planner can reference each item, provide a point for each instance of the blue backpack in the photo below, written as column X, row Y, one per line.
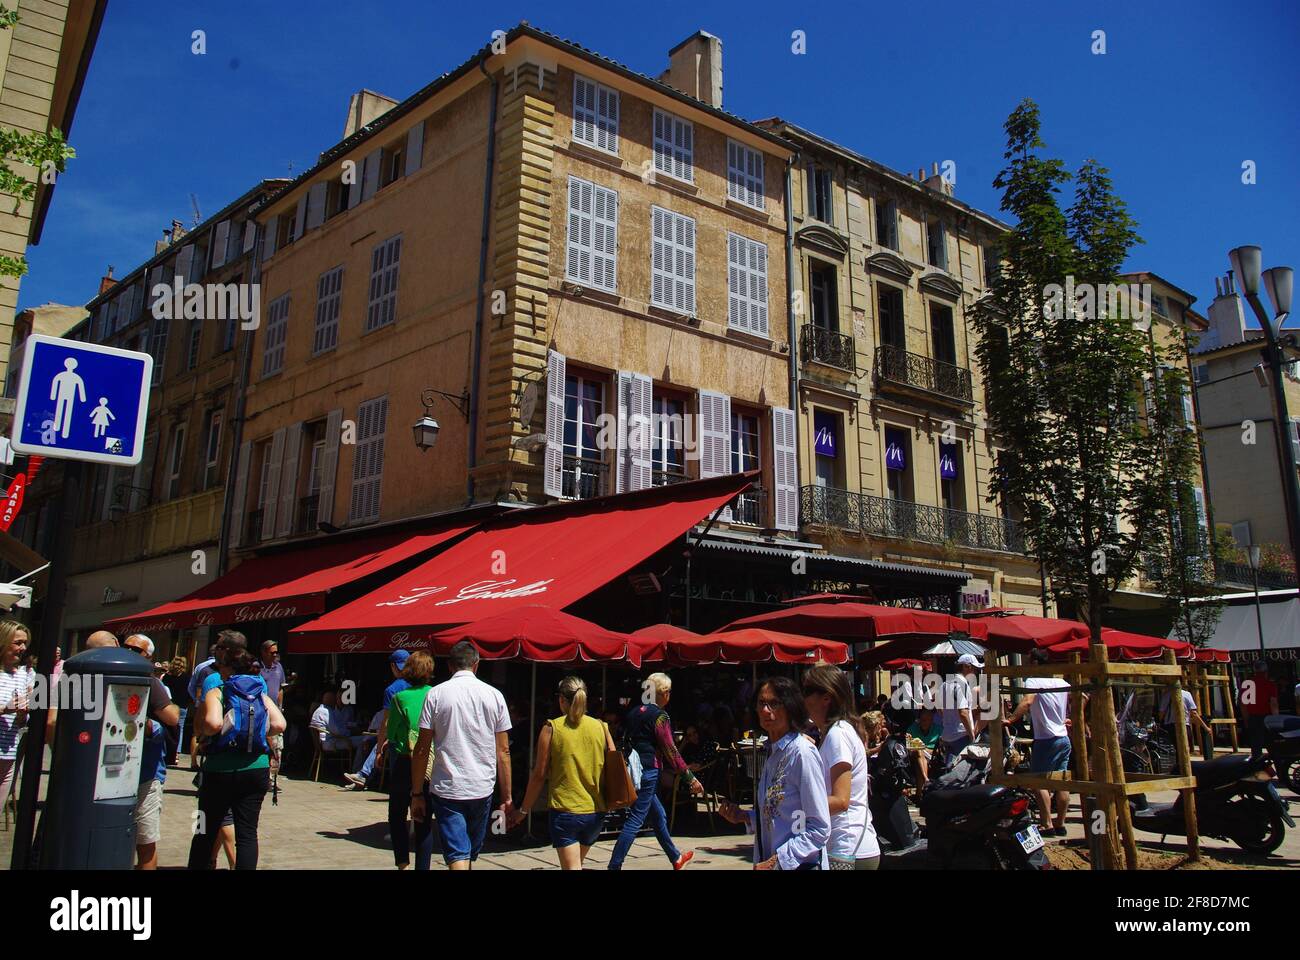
column 244, row 728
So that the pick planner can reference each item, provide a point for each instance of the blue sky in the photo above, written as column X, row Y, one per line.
column 1185, row 93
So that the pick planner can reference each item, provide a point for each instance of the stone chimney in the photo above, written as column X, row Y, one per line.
column 365, row 106
column 1226, row 315
column 106, row 282
column 935, row 180
column 695, row 68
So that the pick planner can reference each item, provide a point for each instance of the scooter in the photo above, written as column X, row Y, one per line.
column 1235, row 800
column 1284, row 749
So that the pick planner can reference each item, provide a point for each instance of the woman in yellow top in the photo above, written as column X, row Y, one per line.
column 571, row 758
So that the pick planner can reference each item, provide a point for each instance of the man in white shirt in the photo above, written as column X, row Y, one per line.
column 1048, row 705
column 466, row 722
column 959, row 727
column 332, row 725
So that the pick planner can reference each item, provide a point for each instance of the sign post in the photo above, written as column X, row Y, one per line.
column 83, row 403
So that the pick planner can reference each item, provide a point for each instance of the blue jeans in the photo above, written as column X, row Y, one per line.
column 570, row 828
column 647, row 804
column 1050, row 755
column 368, row 767
column 462, row 826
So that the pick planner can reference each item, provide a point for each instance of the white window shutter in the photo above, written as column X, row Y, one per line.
column 623, row 459
column 273, row 484
column 640, row 438
column 241, row 494
column 316, row 205
column 300, row 218
column 672, row 261
column 269, row 238
column 370, row 180
column 747, row 285
column 715, row 434
column 578, row 240
column 414, row 148
column 604, row 241
column 220, row 240
column 184, row 263
column 785, row 470
column 289, row 479
column 250, row 235
column 553, row 467
column 329, row 466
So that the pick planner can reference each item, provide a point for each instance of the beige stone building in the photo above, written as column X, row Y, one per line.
column 43, row 63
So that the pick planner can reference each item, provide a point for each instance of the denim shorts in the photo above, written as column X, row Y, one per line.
column 1050, row 755
column 462, row 826
column 570, row 828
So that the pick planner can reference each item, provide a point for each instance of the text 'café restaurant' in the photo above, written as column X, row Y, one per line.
column 623, row 561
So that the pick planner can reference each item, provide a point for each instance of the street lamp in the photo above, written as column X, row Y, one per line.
column 1252, row 555
column 426, row 428
column 1278, row 284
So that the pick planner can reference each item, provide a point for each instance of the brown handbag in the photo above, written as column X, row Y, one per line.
column 616, row 781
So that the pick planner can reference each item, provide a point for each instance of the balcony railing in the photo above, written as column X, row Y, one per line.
column 819, row 345
column 583, row 478
column 666, row 478
column 750, row 508
column 896, row 366
column 1240, row 573
column 308, row 510
column 884, row 517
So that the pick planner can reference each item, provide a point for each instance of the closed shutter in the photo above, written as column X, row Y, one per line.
column 220, row 240
column 329, row 466
column 368, row 460
column 715, row 438
column 289, row 479
column 184, row 263
column 592, row 242
column 370, row 179
column 672, row 261
column 553, row 466
column 623, row 456
column 269, row 238
column 241, row 494
column 250, row 235
column 300, row 218
column 674, row 144
column 273, row 484
column 747, row 285
column 640, row 439
column 744, row 175
column 595, row 114
column 316, row 205
column 785, row 471
column 414, row 148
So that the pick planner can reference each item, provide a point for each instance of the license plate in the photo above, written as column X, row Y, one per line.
column 1030, row 839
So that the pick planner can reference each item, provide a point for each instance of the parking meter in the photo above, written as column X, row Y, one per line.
column 103, row 701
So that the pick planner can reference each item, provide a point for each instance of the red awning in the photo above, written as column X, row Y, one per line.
column 861, row 622
column 553, row 556
column 654, row 642
column 906, row 663
column 1128, row 646
column 540, row 634
column 740, row 646
column 1024, row 633
column 288, row 584
column 1210, row 655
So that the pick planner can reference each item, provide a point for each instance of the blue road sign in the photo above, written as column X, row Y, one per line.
column 82, row 401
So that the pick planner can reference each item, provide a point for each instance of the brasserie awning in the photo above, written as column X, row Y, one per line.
column 553, row 555
column 286, row 584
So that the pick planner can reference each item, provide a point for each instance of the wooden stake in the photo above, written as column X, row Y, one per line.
column 1109, row 733
column 1184, row 764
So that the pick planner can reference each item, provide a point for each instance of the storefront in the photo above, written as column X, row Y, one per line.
column 1238, row 631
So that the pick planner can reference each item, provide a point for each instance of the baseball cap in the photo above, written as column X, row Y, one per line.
column 398, row 658
column 968, row 659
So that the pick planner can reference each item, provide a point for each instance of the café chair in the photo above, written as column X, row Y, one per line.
column 707, row 775
column 320, row 754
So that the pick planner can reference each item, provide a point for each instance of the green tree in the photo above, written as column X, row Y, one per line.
column 46, row 154
column 1064, row 364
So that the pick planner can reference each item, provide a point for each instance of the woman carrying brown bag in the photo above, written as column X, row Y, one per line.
column 571, row 751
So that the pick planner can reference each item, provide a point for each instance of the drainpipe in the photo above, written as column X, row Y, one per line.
column 790, row 319
column 476, row 351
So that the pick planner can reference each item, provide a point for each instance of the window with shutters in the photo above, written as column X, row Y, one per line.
column 175, row 461
column 745, row 175
column 584, row 465
column 195, row 342
column 943, row 336
column 212, row 459
column 255, row 526
column 368, row 462
column 745, row 456
column 595, row 115
column 674, row 143
column 672, row 261
column 329, row 297
column 383, row 283
column 824, row 298
column 392, row 163
column 821, row 205
column 230, row 330
column 890, row 307
column 936, row 245
column 1201, row 372
column 992, row 264
column 887, row 223
column 277, row 331
column 158, row 348
column 746, row 285
column 592, row 242
column 668, row 450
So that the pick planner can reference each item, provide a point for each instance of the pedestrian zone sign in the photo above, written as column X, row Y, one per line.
column 82, row 401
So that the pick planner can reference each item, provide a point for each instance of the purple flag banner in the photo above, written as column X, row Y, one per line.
column 895, row 447
column 948, row 461
column 824, row 430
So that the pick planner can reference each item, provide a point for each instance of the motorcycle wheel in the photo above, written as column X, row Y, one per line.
column 1289, row 773
column 975, row 856
column 1268, row 838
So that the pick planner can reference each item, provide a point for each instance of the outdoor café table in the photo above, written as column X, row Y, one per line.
column 746, row 748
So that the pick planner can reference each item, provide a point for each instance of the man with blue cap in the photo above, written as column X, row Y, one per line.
column 396, row 663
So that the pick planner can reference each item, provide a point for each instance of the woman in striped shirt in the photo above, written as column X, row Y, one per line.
column 15, row 686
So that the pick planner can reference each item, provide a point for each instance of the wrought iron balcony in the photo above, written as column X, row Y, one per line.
column 897, row 367
column 1240, row 573
column 819, row 345
column 751, row 508
column 583, row 478
column 666, row 478
column 873, row 516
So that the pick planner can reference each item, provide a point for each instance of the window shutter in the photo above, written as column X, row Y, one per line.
column 316, row 205
column 268, row 239
column 623, row 458
column 745, row 175
column 220, row 240
column 785, row 470
column 715, row 434
column 595, row 114
column 184, row 263
column 674, row 142
column 553, row 466
column 370, row 180
column 241, row 494
column 640, row 408
column 580, row 227
column 747, row 284
column 273, row 484
column 414, row 148
column 300, row 218
column 672, row 261
column 329, row 466
column 592, row 241
column 250, row 235
column 289, row 479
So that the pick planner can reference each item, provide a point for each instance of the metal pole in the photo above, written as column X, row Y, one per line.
column 1259, row 619
column 1290, row 488
column 532, row 728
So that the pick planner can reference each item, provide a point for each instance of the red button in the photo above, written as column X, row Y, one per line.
column 83, row 736
column 133, row 704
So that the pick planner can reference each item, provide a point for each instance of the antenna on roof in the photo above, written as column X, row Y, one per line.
column 194, row 202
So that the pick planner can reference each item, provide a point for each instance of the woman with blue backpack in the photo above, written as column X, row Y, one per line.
column 234, row 712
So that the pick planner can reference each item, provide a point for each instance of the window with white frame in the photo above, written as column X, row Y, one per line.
column 212, row 459
column 674, row 142
column 668, row 451
column 745, row 175
column 592, row 243
column 595, row 115
column 277, row 331
column 672, row 261
column 745, row 456
column 583, row 465
column 175, row 460
column 383, row 283
column 368, row 463
column 746, row 284
column 196, row 341
column 329, row 296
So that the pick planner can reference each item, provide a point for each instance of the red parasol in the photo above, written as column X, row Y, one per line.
column 1127, row 646
column 860, row 622
column 540, row 634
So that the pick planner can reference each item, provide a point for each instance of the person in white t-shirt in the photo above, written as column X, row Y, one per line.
column 955, row 702
column 466, row 722
column 1048, row 705
column 829, row 699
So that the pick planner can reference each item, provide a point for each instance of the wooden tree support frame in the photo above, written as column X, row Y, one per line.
column 1202, row 682
column 1100, row 779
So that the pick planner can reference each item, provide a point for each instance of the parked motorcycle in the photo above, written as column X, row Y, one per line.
column 1284, row 749
column 1235, row 800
